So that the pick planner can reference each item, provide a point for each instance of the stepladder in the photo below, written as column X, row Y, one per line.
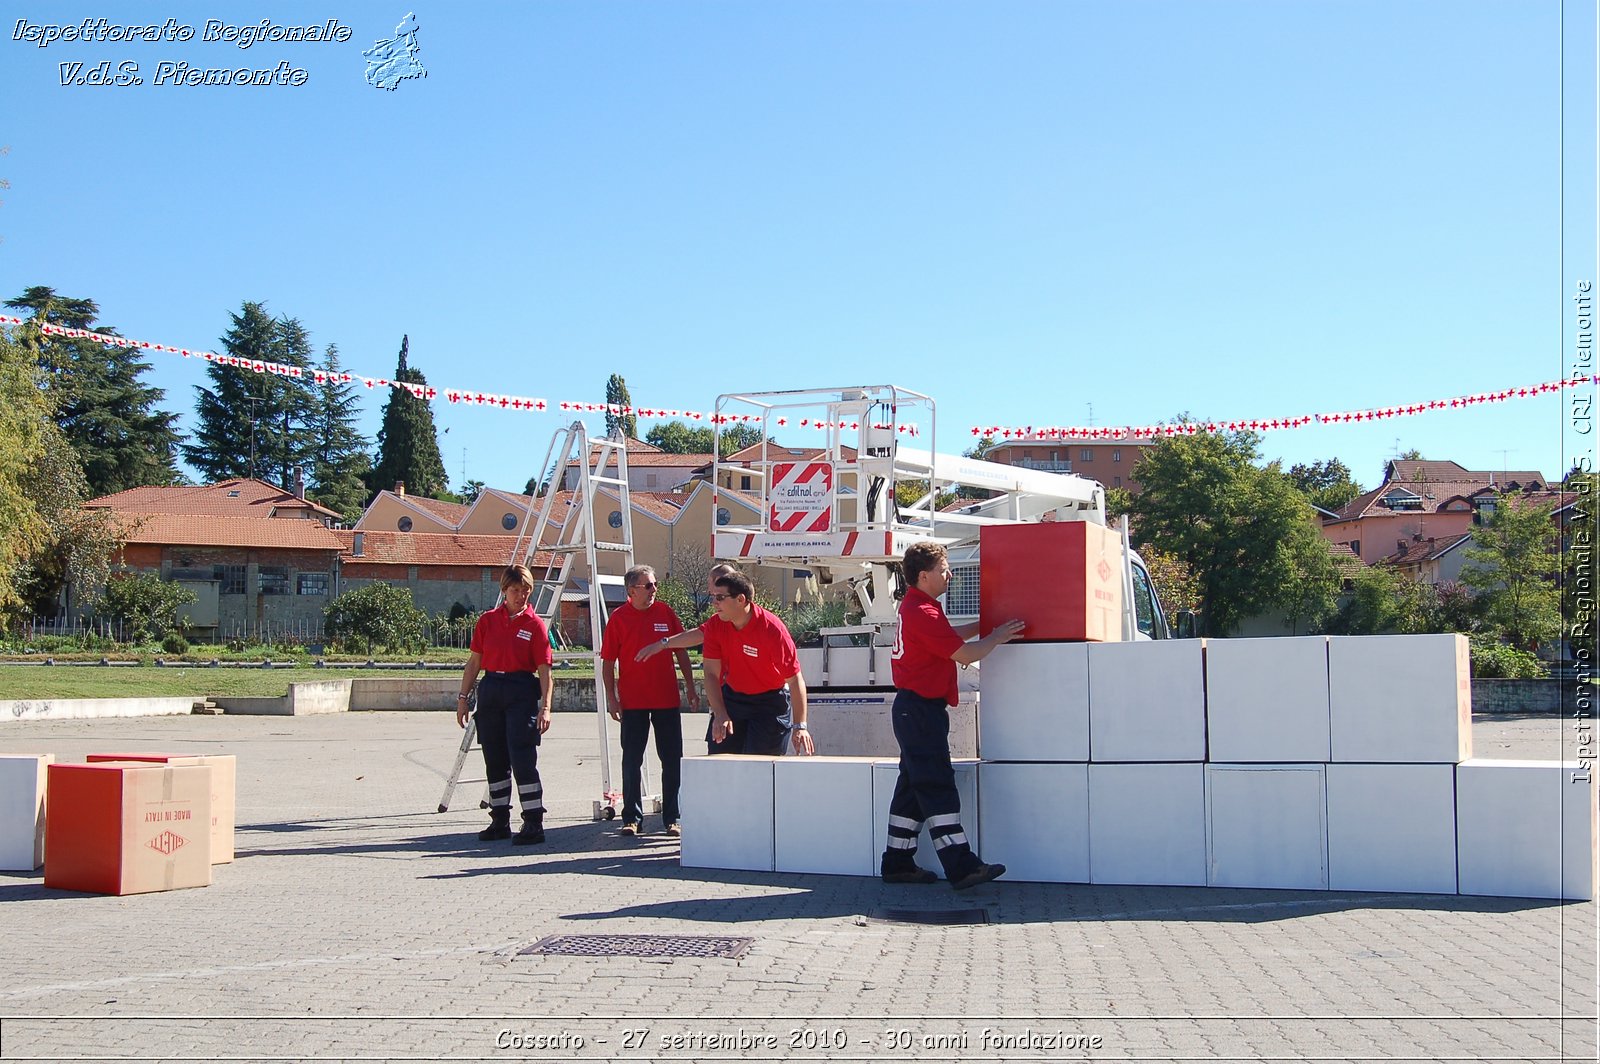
column 559, row 544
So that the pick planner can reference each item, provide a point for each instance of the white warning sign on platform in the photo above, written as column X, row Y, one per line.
column 801, row 497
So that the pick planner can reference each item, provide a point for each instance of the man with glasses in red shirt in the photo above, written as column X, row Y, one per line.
column 927, row 649
column 646, row 695
column 753, row 682
column 511, row 645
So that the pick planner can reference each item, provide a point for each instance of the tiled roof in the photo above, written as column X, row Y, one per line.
column 1436, row 484
column 667, row 458
column 430, row 548
column 776, row 453
column 1416, row 551
column 451, row 513
column 663, row 504
column 1346, row 560
column 183, row 530
column 236, row 498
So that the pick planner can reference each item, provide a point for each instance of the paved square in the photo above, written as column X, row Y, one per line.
column 358, row 924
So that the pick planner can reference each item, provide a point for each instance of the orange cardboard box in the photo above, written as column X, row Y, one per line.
column 1063, row 578
column 224, row 773
column 125, row 827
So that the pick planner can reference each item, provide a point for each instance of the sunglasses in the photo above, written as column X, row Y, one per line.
column 642, row 587
column 720, row 596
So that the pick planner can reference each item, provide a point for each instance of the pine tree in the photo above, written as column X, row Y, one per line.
column 617, row 395
column 255, row 424
column 105, row 413
column 291, row 411
column 339, row 461
column 408, row 446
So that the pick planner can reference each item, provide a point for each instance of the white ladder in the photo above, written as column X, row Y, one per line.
column 563, row 535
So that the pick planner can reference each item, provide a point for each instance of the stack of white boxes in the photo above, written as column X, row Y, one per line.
column 1309, row 763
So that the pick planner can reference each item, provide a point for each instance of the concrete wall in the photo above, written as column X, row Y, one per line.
column 301, row 700
column 83, row 708
column 1521, row 696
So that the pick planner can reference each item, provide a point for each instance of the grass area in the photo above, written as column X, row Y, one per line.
column 135, row 681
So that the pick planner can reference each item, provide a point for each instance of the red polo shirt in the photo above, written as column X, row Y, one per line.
column 648, row 684
column 755, row 659
column 923, row 643
column 506, row 643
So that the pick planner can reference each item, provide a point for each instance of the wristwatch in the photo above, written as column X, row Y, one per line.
column 802, row 726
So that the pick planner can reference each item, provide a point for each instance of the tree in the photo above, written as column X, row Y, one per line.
column 339, row 460
column 1382, row 602
column 1325, row 484
column 72, row 561
column 471, row 490
column 273, row 411
column 408, row 445
column 291, row 408
column 1249, row 536
column 376, row 615
column 106, row 414
column 1511, row 567
column 144, row 602
column 677, row 437
column 1175, row 582
column 627, row 425
column 24, row 436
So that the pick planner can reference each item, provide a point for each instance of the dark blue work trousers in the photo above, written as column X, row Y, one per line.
column 636, row 725
column 508, row 703
column 925, row 791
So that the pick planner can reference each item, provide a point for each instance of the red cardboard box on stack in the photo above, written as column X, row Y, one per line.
column 224, row 771
column 1063, row 578
column 126, row 827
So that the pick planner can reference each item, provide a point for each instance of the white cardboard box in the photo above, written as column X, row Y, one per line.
column 1034, row 703
column 823, row 816
column 22, row 791
column 1147, row 824
column 1147, row 701
column 884, row 773
column 1392, row 827
column 1034, row 819
column 1266, row 826
column 727, row 805
column 1526, row 829
column 1267, row 699
column 1400, row 698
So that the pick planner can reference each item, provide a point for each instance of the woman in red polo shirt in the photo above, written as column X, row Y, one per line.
column 511, row 645
column 927, row 649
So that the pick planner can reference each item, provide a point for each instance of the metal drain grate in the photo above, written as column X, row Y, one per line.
column 730, row 949
column 945, row 917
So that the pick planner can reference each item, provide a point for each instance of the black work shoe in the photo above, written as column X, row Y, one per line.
column 983, row 873
column 910, row 875
column 495, row 832
column 531, row 833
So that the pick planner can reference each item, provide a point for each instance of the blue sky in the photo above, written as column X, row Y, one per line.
column 1236, row 210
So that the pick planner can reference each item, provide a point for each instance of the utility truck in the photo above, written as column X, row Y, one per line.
column 834, row 513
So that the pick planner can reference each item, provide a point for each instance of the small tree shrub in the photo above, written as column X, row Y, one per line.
column 376, row 616
column 1499, row 661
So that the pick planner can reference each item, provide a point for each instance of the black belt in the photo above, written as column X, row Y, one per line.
column 490, row 672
